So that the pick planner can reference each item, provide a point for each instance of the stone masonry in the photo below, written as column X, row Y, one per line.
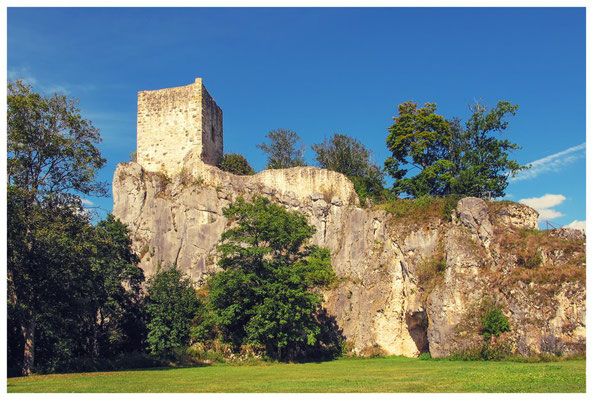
column 173, row 121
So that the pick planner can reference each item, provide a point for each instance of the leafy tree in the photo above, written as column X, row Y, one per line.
column 348, row 156
column 450, row 159
column 235, row 164
column 419, row 138
column 52, row 159
column 172, row 306
column 51, row 148
column 88, row 303
column 283, row 150
column 484, row 165
column 266, row 294
column 119, row 320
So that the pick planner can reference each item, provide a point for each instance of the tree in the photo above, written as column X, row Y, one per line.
column 419, row 138
column 346, row 155
column 172, row 306
column 235, row 164
column 450, row 159
column 51, row 149
column 266, row 294
column 52, row 159
column 484, row 164
column 283, row 151
column 117, row 314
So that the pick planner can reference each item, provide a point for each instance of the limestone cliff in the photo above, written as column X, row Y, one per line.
column 405, row 285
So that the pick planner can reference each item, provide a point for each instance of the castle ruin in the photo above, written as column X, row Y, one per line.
column 175, row 120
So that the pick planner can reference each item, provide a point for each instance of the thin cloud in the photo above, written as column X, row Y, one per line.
column 543, row 205
column 24, row 74
column 87, row 202
column 554, row 163
column 546, row 201
column 576, row 224
column 546, row 214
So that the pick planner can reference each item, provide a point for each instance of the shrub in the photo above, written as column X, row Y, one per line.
column 424, row 356
column 236, row 164
column 494, row 323
column 171, row 306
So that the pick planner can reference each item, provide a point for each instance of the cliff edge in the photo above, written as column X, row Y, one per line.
column 409, row 281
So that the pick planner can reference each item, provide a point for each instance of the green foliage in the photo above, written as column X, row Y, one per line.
column 494, row 323
column 265, row 295
column 235, row 164
column 73, row 288
column 425, row 356
column 348, row 156
column 420, row 138
column 450, row 159
column 171, row 306
column 51, row 148
column 283, row 150
column 484, row 164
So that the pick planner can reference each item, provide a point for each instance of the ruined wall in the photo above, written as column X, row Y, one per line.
column 173, row 121
column 212, row 141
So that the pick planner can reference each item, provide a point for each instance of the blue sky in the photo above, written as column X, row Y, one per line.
column 324, row 70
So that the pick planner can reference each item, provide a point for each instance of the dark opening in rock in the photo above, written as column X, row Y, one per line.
column 417, row 325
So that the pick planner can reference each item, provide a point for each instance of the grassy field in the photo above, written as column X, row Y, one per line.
column 392, row 374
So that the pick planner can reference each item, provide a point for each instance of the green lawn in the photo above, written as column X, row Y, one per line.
column 392, row 374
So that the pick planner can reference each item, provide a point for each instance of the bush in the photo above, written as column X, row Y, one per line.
column 172, row 306
column 236, row 164
column 494, row 323
column 424, row 356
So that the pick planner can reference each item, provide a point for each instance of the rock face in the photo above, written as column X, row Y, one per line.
column 405, row 286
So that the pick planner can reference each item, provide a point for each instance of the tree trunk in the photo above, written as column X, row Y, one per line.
column 28, row 330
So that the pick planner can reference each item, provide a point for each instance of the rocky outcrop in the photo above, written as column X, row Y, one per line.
column 405, row 286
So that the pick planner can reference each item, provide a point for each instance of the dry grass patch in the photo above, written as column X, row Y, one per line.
column 544, row 258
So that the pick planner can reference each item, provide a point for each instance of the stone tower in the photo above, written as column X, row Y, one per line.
column 173, row 121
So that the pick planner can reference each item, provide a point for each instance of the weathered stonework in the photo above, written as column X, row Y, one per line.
column 173, row 121
column 403, row 287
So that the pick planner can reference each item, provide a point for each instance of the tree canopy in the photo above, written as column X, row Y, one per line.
column 344, row 154
column 484, row 164
column 73, row 288
column 265, row 294
column 285, row 149
column 51, row 148
column 171, row 306
column 236, row 164
column 446, row 158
